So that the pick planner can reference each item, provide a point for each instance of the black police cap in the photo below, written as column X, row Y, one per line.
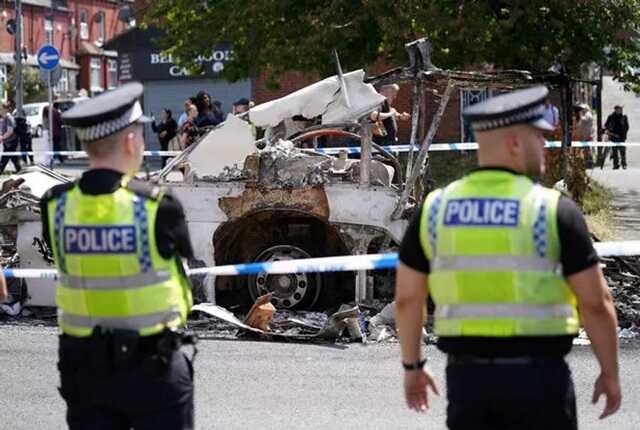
column 518, row 107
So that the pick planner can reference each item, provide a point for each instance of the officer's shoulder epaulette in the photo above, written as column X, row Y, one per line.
column 58, row 190
column 145, row 189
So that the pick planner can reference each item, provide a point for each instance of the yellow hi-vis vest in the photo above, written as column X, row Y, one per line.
column 492, row 241
column 110, row 271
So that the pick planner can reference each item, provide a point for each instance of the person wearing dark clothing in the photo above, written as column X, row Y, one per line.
column 25, row 140
column 385, row 130
column 513, row 274
column 166, row 130
column 57, row 132
column 206, row 116
column 617, row 127
column 123, row 296
column 9, row 138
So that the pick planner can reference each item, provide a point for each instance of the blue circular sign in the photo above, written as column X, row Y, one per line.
column 48, row 57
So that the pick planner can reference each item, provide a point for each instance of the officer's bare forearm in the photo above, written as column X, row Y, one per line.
column 601, row 324
column 411, row 294
column 3, row 288
column 598, row 316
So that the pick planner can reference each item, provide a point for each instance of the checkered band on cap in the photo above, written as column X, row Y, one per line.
column 530, row 115
column 107, row 128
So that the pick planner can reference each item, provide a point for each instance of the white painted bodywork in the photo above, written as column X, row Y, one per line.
column 324, row 98
column 223, row 147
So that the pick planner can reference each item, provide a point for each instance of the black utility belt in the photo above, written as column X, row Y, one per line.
column 128, row 342
column 525, row 360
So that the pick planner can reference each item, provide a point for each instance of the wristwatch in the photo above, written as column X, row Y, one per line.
column 414, row 366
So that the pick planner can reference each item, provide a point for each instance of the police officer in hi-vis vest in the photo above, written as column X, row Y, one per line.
column 122, row 292
column 513, row 274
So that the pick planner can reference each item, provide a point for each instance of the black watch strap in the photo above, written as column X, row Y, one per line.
column 414, row 366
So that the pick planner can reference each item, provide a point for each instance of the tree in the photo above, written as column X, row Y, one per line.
column 282, row 35
column 34, row 88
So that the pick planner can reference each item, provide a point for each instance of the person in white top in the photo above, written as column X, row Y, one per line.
column 551, row 114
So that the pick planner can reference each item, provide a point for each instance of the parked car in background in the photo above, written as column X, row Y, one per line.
column 33, row 113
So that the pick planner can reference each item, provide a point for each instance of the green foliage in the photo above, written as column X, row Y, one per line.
column 281, row 35
column 597, row 199
column 34, row 88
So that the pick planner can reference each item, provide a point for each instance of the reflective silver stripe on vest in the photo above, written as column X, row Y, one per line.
column 494, row 263
column 126, row 323
column 140, row 280
column 501, row 310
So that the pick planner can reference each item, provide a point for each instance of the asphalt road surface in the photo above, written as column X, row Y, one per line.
column 625, row 186
column 244, row 385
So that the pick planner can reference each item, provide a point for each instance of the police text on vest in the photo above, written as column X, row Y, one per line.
column 482, row 212
column 113, row 239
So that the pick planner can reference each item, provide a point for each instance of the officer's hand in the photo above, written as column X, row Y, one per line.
column 610, row 387
column 415, row 388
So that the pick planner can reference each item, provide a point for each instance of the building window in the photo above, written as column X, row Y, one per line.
column 48, row 29
column 3, row 80
column 112, row 74
column 96, row 75
column 63, row 84
column 84, row 24
column 73, row 81
column 102, row 27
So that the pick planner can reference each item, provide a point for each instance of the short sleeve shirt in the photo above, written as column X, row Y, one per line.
column 576, row 254
column 6, row 123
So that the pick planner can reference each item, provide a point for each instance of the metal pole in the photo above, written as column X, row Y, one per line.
column 415, row 123
column 365, row 152
column 424, row 151
column 599, row 104
column 19, row 81
column 50, row 119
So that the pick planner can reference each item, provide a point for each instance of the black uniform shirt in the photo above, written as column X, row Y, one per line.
column 576, row 253
column 172, row 235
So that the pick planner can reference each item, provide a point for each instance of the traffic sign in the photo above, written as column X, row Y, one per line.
column 48, row 57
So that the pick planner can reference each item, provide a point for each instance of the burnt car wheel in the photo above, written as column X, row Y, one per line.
column 290, row 290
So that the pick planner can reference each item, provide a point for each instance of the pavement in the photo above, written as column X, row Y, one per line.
column 266, row 385
column 626, row 194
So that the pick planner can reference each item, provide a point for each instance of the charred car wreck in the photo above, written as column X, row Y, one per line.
column 284, row 197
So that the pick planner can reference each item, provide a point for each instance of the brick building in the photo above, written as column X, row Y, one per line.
column 78, row 29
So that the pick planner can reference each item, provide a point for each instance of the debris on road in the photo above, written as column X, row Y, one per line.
column 288, row 324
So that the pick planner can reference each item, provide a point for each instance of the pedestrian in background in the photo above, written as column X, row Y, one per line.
column 189, row 130
column 57, row 132
column 122, row 294
column 8, row 138
column 167, row 129
column 509, row 264
column 184, row 115
column 25, row 140
column 385, row 119
column 617, row 127
column 206, row 117
column 584, row 130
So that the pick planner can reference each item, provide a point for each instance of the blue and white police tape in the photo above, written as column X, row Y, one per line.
column 468, row 146
column 82, row 154
column 436, row 147
column 345, row 263
column 348, row 263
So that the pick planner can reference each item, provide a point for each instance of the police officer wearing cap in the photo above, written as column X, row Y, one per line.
column 513, row 274
column 122, row 293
